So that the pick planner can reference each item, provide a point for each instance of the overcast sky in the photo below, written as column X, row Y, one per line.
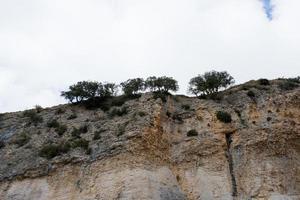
column 46, row 45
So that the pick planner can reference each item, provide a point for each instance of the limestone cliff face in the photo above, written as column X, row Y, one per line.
column 147, row 154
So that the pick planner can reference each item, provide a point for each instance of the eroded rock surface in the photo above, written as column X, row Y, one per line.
column 146, row 152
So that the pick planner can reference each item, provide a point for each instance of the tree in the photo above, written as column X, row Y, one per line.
column 210, row 82
column 161, row 84
column 86, row 90
column 150, row 83
column 167, row 84
column 76, row 92
column 107, row 90
column 68, row 95
column 90, row 89
column 133, row 86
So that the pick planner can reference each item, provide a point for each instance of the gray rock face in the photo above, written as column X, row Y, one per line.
column 147, row 153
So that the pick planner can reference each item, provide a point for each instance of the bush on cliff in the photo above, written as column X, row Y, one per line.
column 22, row 139
column 192, row 133
column 223, row 116
column 52, row 150
column 264, row 81
column 289, row 84
column 33, row 116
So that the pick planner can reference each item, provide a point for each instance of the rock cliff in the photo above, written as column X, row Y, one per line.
column 148, row 148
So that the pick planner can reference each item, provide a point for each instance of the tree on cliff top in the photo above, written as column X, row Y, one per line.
column 210, row 83
column 85, row 90
column 133, row 86
column 161, row 84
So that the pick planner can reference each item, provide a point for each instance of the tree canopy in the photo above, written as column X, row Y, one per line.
column 93, row 91
column 88, row 90
column 133, row 86
column 210, row 82
column 161, row 84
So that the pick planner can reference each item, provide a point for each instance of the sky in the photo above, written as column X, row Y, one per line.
column 268, row 7
column 47, row 45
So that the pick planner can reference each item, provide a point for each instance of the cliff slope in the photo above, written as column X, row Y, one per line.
column 147, row 148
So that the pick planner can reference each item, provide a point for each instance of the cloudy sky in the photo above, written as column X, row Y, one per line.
column 46, row 45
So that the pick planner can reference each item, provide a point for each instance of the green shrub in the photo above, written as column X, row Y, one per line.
column 49, row 151
column 264, row 81
column 33, row 116
column 224, row 116
column 118, row 111
column 61, row 129
column 2, row 144
column 161, row 95
column 168, row 114
column 238, row 112
column 60, row 111
column 89, row 151
column 192, row 133
column 105, row 103
column 122, row 128
column 186, row 107
column 215, row 96
column 97, row 134
column 38, row 108
column 83, row 129
column 22, row 139
column 75, row 132
column 141, row 113
column 295, row 80
column 288, row 85
column 29, row 113
column 251, row 94
column 52, row 150
column 120, row 100
column 82, row 143
column 72, row 116
column 177, row 117
column 53, row 123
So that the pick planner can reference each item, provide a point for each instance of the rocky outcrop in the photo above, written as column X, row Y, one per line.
column 147, row 153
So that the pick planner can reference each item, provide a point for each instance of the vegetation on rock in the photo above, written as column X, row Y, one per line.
column 223, row 116
column 192, row 133
column 264, row 81
column 210, row 83
column 161, row 84
column 33, row 116
column 89, row 90
column 289, row 84
column 133, row 86
column 22, row 139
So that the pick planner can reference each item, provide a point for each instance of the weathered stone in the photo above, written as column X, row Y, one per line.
column 256, row 156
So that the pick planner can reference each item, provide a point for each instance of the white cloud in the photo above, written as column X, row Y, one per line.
column 45, row 45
